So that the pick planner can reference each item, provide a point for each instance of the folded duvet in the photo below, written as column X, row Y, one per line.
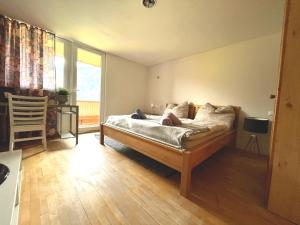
column 151, row 128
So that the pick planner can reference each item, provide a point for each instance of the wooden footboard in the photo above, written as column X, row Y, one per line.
column 196, row 155
column 160, row 152
column 182, row 161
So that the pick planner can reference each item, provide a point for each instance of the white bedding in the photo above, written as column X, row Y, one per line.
column 175, row 136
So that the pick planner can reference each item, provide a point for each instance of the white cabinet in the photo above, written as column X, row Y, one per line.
column 10, row 189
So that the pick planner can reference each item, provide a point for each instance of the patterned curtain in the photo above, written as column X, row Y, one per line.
column 27, row 62
column 9, row 53
column 37, row 69
column 27, row 56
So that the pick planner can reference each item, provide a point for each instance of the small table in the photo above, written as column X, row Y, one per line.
column 71, row 110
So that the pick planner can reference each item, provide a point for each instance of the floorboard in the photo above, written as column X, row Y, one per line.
column 90, row 184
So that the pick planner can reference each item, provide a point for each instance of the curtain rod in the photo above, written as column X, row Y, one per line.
column 27, row 24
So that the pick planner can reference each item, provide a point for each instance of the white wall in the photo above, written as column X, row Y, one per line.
column 243, row 74
column 125, row 86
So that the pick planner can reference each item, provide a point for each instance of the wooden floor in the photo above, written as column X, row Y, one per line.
column 91, row 184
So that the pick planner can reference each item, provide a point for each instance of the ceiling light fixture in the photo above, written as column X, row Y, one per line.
column 149, row 3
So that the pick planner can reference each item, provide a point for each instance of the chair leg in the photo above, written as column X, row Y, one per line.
column 44, row 140
column 11, row 141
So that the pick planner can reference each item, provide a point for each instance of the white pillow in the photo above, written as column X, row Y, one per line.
column 225, row 119
column 224, row 109
column 181, row 110
column 223, row 115
column 170, row 106
column 203, row 112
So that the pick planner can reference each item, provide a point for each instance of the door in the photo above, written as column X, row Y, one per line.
column 88, row 72
column 284, row 191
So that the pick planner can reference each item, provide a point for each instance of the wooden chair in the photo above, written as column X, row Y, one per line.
column 27, row 114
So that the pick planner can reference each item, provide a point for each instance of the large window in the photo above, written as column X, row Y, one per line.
column 79, row 69
column 88, row 76
column 88, row 87
column 60, row 63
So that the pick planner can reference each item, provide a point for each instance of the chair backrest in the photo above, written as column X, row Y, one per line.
column 25, row 108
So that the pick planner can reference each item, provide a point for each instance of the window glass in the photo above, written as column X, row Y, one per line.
column 59, row 63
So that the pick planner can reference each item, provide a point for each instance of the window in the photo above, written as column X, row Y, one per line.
column 88, row 87
column 88, row 76
column 60, row 63
column 79, row 69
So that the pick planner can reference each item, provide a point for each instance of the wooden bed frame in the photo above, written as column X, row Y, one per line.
column 183, row 161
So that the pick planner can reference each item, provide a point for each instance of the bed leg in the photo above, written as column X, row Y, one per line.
column 101, row 134
column 186, row 173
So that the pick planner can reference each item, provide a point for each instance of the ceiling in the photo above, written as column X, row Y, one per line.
column 172, row 29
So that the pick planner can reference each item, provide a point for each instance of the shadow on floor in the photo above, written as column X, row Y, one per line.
column 146, row 162
column 230, row 183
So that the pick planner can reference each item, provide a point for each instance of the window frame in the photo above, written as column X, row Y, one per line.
column 70, row 70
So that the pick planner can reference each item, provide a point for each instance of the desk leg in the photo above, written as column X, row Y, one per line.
column 77, row 118
column 101, row 134
column 71, row 119
column 60, row 132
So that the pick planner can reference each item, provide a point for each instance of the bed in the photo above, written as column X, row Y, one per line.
column 182, row 158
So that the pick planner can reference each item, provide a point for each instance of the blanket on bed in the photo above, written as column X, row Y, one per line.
column 151, row 128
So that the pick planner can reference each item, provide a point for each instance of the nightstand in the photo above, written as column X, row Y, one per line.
column 255, row 125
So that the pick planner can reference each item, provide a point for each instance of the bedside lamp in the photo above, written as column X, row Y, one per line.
column 255, row 125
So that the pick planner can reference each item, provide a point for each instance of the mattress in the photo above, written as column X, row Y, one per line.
column 189, row 134
column 201, row 139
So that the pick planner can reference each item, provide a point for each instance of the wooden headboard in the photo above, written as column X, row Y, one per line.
column 193, row 109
